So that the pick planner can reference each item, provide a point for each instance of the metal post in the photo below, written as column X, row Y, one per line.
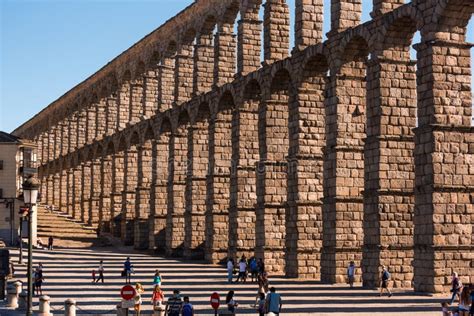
column 20, row 261
column 29, row 311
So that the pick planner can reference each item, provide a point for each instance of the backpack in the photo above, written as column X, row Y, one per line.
column 253, row 265
column 386, row 275
column 187, row 309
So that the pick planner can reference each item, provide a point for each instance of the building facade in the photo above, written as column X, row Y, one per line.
column 17, row 163
column 346, row 149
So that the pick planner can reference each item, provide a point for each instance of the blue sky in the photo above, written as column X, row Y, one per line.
column 49, row 46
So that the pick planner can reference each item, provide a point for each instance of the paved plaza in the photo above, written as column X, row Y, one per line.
column 68, row 275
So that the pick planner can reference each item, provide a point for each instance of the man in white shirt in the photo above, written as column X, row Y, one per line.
column 242, row 270
column 230, row 269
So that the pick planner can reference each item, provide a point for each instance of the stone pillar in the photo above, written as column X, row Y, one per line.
column 65, row 138
column 73, row 132
column 101, row 118
column 243, row 192
column 44, row 307
column 249, row 39
column 203, row 63
column 76, row 214
column 389, row 172
column 345, row 14
column 183, row 74
column 69, row 307
column 224, row 54
column 218, row 185
column 57, row 140
column 81, row 128
column 194, row 216
column 91, row 121
column 176, row 191
column 166, row 86
column 51, row 144
column 70, row 191
column 305, row 174
column 136, row 100
column 86, row 191
column 116, row 196
column 444, row 185
column 308, row 23
column 44, row 148
column 159, row 195
column 56, row 190
column 123, row 103
column 276, row 30
column 142, row 204
column 381, row 7
column 63, row 190
column 343, row 173
column 96, row 185
column 106, row 174
column 112, row 114
column 150, row 100
column 128, row 195
column 49, row 188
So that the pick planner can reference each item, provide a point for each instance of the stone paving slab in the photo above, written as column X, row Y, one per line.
column 67, row 274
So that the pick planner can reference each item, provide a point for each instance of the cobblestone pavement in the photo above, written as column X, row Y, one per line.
column 68, row 275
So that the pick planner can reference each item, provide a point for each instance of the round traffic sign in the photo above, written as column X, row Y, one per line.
column 215, row 299
column 127, row 292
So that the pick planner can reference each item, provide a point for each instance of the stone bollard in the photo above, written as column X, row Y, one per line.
column 159, row 311
column 70, row 307
column 121, row 311
column 44, row 308
column 22, row 301
column 12, row 296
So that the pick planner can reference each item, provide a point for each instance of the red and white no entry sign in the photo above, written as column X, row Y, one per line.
column 127, row 292
column 215, row 300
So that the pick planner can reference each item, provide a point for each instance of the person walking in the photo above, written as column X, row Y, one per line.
column 38, row 282
column 273, row 302
column 385, row 280
column 187, row 309
column 242, row 270
column 261, row 304
column 158, row 298
column 456, row 287
column 139, row 290
column 174, row 304
column 464, row 302
column 101, row 272
column 127, row 270
column 157, row 279
column 230, row 301
column 253, row 266
column 50, row 242
column 351, row 274
column 230, row 270
column 261, row 266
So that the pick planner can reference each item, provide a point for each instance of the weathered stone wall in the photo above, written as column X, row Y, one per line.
column 187, row 144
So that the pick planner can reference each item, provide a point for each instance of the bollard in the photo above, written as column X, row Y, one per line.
column 69, row 307
column 121, row 311
column 12, row 296
column 159, row 311
column 22, row 301
column 44, row 308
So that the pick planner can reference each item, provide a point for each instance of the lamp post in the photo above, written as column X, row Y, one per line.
column 30, row 194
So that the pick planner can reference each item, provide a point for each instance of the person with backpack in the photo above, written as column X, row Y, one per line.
column 253, row 269
column 174, row 304
column 273, row 302
column 456, row 287
column 385, row 279
column 187, row 309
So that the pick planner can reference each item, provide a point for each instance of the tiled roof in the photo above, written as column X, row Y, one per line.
column 8, row 138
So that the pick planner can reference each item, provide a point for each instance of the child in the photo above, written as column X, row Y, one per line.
column 93, row 275
column 138, row 298
column 157, row 279
column 158, row 298
column 187, row 309
column 445, row 310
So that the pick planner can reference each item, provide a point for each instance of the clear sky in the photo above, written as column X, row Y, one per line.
column 49, row 46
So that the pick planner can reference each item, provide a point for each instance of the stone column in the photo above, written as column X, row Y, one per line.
column 176, row 191
column 308, row 23
column 70, row 191
column 142, row 204
column 444, row 184
column 56, row 190
column 249, row 39
column 159, row 195
column 243, row 192
column 389, row 171
column 72, row 133
column 91, row 121
column 150, row 100
column 136, row 100
column 166, row 86
column 128, row 195
column 101, row 118
column 116, row 196
column 345, row 14
column 203, row 63
column 96, row 185
column 112, row 114
column 343, row 174
column 76, row 214
column 86, row 191
column 183, row 74
column 49, row 188
column 63, row 189
column 276, row 26
column 43, row 150
column 123, row 103
column 57, row 140
column 106, row 181
column 65, row 138
column 194, row 216
column 81, row 128
column 381, row 7
column 51, row 143
column 218, row 186
column 224, row 54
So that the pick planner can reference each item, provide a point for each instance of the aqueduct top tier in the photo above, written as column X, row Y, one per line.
column 346, row 149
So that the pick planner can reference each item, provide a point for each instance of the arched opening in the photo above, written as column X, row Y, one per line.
column 118, row 174
column 107, row 172
column 123, row 101
column 166, row 88
column 204, row 57
column 96, row 186
column 136, row 107
column 184, row 67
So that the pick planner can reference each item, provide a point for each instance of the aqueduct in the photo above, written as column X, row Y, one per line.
column 345, row 149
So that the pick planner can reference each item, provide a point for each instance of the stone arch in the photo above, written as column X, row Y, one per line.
column 451, row 18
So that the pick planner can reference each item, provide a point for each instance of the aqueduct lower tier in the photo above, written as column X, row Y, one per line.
column 345, row 150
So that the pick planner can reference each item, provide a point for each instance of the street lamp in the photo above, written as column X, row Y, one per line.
column 30, row 194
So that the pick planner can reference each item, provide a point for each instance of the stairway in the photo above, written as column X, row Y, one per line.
column 62, row 227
